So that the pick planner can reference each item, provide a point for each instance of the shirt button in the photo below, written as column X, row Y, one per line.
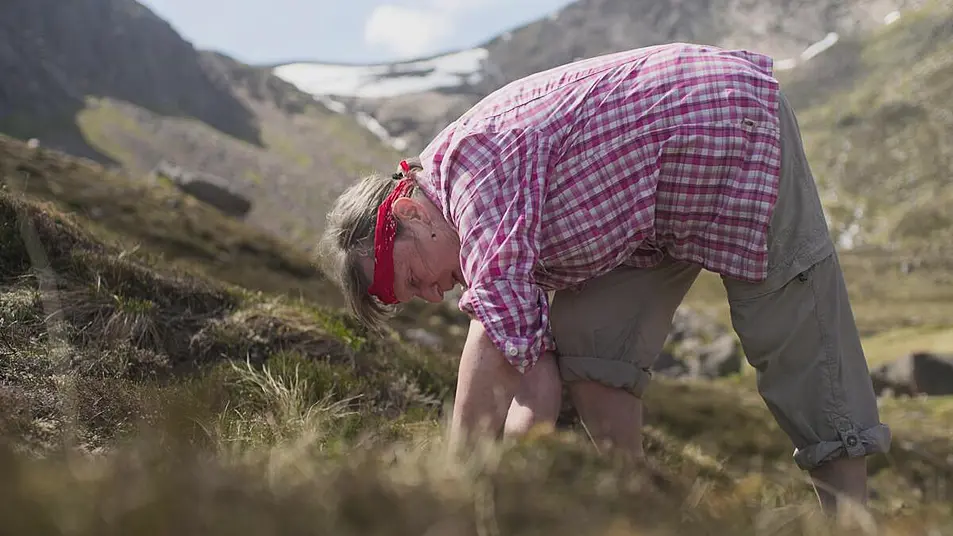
column 512, row 351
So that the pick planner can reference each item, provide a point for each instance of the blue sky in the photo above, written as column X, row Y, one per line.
column 360, row 31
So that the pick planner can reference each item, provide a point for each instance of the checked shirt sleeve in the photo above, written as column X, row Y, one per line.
column 497, row 198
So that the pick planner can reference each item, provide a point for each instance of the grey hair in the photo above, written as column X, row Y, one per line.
column 348, row 239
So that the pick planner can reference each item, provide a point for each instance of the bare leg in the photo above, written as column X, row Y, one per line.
column 612, row 416
column 846, row 477
column 538, row 400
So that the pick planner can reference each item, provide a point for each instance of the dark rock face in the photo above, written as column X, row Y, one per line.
column 207, row 188
column 918, row 373
column 55, row 54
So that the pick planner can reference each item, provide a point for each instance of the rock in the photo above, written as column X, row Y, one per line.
column 210, row 189
column 918, row 373
column 667, row 364
column 721, row 357
column 699, row 347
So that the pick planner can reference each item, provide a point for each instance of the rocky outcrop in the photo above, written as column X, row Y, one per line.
column 699, row 347
column 210, row 189
column 918, row 373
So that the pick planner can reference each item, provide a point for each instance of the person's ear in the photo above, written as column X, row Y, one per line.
column 407, row 209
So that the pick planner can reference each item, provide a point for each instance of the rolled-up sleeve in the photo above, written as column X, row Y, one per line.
column 496, row 201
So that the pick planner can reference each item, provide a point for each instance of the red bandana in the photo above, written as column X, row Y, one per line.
column 384, row 236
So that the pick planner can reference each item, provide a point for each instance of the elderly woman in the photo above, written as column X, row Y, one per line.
column 608, row 184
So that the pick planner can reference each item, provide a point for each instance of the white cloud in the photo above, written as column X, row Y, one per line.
column 406, row 31
column 411, row 32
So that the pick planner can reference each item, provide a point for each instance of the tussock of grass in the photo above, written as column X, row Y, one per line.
column 98, row 340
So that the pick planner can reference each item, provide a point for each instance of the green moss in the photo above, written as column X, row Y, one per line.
column 344, row 328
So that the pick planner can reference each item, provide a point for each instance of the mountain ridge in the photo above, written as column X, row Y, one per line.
column 779, row 28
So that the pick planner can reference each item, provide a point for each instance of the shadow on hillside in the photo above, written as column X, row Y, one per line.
column 55, row 128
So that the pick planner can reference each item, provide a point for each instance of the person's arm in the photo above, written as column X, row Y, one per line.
column 497, row 206
column 486, row 385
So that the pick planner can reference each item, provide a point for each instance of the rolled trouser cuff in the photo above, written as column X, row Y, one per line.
column 619, row 374
column 850, row 444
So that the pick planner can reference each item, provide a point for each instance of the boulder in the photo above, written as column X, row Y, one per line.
column 918, row 373
column 697, row 346
column 210, row 189
column 667, row 364
column 719, row 358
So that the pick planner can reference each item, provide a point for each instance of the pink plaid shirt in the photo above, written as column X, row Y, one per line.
column 616, row 160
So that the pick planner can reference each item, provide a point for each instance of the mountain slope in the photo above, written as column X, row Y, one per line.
column 109, row 80
column 413, row 100
column 874, row 114
column 873, row 108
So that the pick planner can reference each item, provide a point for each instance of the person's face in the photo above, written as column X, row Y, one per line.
column 426, row 253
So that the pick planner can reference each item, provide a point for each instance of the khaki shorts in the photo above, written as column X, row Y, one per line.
column 796, row 327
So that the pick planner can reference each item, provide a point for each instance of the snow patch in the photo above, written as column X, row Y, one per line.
column 333, row 105
column 378, row 130
column 820, row 46
column 784, row 65
column 385, row 80
column 811, row 51
column 325, row 82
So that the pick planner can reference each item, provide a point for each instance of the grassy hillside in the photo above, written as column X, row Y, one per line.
column 156, row 220
column 307, row 155
column 157, row 223
column 874, row 113
column 874, row 110
column 112, row 81
column 141, row 397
